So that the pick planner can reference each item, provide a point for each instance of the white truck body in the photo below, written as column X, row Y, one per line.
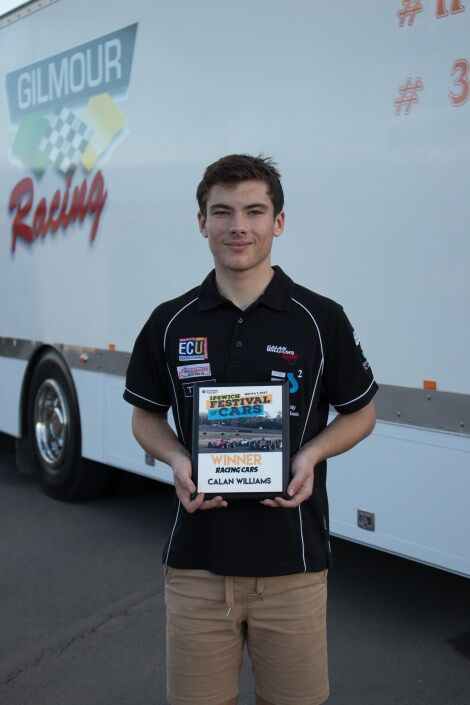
column 376, row 204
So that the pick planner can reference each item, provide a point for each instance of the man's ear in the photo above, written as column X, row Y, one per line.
column 279, row 222
column 202, row 220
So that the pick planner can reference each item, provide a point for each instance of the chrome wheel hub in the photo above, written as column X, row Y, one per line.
column 51, row 422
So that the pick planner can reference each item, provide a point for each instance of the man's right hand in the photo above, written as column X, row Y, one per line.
column 182, row 471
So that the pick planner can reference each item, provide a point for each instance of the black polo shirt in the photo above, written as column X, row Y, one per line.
column 289, row 332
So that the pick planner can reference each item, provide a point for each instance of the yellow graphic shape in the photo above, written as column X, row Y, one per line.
column 106, row 120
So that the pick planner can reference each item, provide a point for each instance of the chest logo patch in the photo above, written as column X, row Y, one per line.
column 190, row 371
column 283, row 351
column 192, row 349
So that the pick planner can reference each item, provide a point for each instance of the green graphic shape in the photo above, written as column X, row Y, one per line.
column 26, row 143
column 105, row 119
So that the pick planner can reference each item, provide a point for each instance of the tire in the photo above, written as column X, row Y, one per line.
column 53, row 433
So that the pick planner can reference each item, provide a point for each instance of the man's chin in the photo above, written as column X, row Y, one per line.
column 238, row 264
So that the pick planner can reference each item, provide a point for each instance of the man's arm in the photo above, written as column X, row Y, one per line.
column 153, row 432
column 344, row 432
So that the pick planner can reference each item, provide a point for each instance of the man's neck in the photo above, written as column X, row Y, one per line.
column 243, row 288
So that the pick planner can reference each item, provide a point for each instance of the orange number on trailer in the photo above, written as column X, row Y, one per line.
column 442, row 11
column 461, row 68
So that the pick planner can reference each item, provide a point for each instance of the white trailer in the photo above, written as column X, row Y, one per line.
column 109, row 113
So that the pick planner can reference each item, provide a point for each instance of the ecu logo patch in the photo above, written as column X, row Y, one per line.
column 192, row 349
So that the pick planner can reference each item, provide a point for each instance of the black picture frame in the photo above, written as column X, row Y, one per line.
column 272, row 448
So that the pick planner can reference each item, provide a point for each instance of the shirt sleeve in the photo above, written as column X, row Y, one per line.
column 147, row 375
column 348, row 380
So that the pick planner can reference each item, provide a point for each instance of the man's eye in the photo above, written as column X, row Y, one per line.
column 220, row 212
column 255, row 212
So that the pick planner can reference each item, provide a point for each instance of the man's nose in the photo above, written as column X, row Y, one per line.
column 238, row 223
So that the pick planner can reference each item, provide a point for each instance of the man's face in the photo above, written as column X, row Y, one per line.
column 240, row 225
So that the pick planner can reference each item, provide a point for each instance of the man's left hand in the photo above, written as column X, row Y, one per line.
column 300, row 487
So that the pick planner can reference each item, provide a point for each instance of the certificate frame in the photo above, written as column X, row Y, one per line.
column 234, row 425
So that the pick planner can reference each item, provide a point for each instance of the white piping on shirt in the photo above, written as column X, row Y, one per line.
column 178, row 414
column 302, row 539
column 171, row 320
column 144, row 398
column 172, row 532
column 356, row 398
column 169, row 373
column 316, row 325
column 319, row 369
column 176, row 401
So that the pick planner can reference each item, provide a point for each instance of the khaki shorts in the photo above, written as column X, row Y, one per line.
column 281, row 619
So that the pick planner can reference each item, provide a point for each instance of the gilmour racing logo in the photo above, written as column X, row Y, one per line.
column 66, row 120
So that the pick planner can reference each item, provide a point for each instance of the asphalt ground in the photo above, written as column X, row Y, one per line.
column 82, row 611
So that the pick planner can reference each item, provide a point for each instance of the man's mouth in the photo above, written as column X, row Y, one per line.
column 238, row 246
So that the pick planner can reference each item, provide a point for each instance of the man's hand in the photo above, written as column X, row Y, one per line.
column 301, row 486
column 339, row 436
column 156, row 437
column 182, row 471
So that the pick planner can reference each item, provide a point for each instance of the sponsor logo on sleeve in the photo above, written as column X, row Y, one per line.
column 192, row 349
column 365, row 363
column 191, row 371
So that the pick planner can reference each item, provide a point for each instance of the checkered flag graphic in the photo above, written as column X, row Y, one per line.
column 66, row 140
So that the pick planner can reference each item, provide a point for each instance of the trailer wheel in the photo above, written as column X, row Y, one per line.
column 54, row 434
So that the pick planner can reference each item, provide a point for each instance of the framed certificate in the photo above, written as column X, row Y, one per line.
column 241, row 439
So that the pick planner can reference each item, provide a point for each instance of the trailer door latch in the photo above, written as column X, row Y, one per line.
column 366, row 520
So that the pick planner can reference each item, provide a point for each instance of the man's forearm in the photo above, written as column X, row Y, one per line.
column 155, row 435
column 344, row 432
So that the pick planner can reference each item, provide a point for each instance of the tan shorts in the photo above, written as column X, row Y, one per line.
column 282, row 620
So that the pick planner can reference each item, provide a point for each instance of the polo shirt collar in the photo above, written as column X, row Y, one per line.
column 277, row 294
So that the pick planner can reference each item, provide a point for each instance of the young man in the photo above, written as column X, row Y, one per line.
column 245, row 570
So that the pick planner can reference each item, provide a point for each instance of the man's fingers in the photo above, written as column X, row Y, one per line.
column 292, row 503
column 190, row 504
column 213, row 503
column 280, row 502
column 304, row 493
column 298, row 480
column 269, row 503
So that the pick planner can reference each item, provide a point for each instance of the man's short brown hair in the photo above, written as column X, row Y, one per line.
column 235, row 168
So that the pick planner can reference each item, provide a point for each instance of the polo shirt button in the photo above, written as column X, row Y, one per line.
column 240, row 320
column 239, row 343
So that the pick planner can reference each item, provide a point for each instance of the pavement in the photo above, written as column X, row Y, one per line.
column 82, row 609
